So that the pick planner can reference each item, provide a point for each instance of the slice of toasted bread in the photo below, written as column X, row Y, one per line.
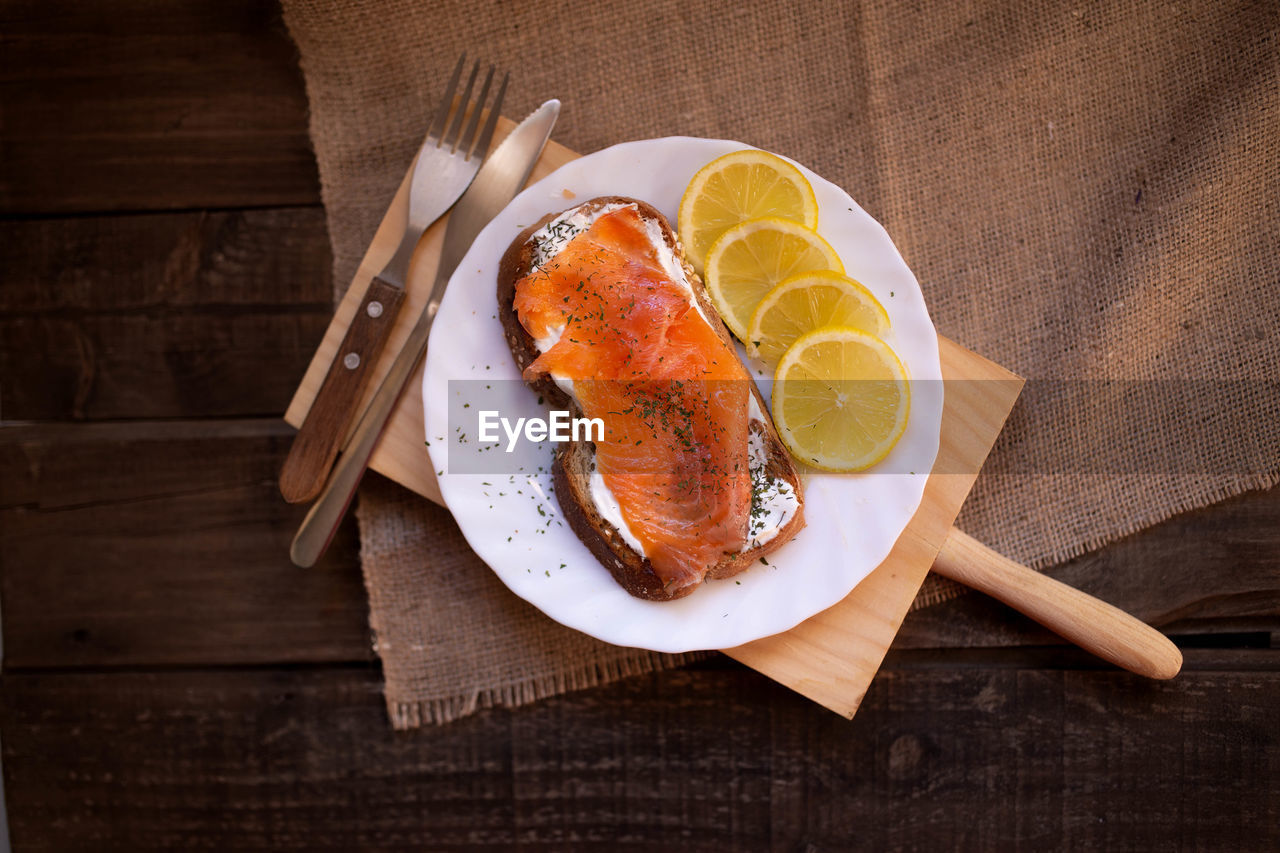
column 575, row 461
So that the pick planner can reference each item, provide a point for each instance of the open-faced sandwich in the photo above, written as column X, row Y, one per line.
column 605, row 318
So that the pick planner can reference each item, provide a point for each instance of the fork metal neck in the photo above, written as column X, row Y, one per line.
column 397, row 269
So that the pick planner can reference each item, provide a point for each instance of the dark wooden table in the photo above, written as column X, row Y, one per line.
column 171, row 679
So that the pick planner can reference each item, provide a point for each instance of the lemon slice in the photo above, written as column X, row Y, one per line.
column 753, row 257
column 743, row 185
column 810, row 301
column 840, row 399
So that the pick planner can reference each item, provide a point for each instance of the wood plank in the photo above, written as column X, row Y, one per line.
column 67, row 599
column 160, row 315
column 164, row 543
column 941, row 756
column 1211, row 570
column 145, row 104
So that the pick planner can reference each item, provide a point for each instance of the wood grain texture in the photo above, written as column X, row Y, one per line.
column 334, row 411
column 80, row 503
column 160, row 315
column 146, row 104
column 164, row 543
column 942, row 756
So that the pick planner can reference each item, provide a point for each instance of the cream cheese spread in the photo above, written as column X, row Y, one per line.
column 607, row 505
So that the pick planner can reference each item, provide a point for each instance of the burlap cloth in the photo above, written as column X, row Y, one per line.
column 1083, row 190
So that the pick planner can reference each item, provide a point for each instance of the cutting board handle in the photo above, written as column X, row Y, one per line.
column 1094, row 625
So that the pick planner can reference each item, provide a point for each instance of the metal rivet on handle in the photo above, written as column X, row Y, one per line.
column 351, row 360
column 375, row 309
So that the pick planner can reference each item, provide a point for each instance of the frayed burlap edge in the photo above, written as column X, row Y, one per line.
column 411, row 715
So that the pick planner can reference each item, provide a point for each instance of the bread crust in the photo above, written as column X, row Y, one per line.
column 574, row 461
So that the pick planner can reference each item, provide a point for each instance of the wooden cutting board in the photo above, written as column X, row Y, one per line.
column 832, row 657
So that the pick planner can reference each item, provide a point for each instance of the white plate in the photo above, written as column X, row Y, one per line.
column 514, row 524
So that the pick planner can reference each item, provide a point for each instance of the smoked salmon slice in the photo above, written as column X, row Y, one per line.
column 673, row 395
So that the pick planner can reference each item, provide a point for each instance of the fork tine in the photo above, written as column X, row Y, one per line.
column 441, row 118
column 467, row 141
column 451, row 138
column 486, row 135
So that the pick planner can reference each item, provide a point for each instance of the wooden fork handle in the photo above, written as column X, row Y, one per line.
column 335, row 406
column 1094, row 625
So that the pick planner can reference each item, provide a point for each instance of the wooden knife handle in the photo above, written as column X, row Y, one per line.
column 335, row 406
column 1094, row 625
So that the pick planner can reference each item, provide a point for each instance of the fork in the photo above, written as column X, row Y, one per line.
column 448, row 160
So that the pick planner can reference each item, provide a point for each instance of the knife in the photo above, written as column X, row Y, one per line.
column 498, row 181
column 440, row 175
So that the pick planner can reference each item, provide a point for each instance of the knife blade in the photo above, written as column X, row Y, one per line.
column 440, row 175
column 498, row 181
